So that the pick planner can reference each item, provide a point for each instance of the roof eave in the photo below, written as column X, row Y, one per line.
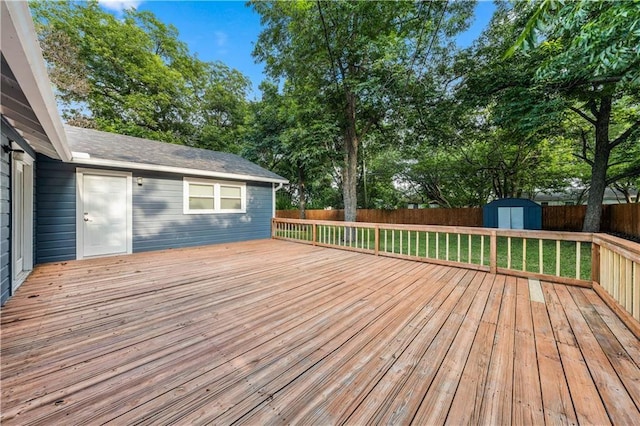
column 171, row 169
column 22, row 52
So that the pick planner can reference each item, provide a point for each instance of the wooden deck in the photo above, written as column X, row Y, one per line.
column 272, row 332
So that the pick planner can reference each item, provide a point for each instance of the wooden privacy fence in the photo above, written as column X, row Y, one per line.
column 622, row 218
column 609, row 265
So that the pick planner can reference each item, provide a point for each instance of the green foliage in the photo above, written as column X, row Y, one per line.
column 353, row 57
column 133, row 76
column 593, row 41
column 592, row 65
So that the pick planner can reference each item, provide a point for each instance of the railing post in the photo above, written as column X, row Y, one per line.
column 314, row 234
column 376, row 241
column 595, row 262
column 273, row 227
column 493, row 252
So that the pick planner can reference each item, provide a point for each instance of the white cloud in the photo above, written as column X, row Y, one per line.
column 221, row 38
column 119, row 5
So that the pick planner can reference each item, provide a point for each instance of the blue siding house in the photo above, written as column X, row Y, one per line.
column 121, row 194
column 70, row 193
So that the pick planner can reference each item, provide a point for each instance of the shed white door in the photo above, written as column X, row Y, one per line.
column 105, row 214
column 511, row 217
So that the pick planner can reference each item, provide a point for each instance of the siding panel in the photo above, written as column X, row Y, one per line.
column 56, row 211
column 159, row 222
column 5, row 217
column 158, row 219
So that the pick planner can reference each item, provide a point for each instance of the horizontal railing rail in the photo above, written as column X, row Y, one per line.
column 608, row 264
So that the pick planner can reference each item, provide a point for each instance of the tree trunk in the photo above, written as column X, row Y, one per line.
column 350, row 170
column 599, row 168
column 302, row 192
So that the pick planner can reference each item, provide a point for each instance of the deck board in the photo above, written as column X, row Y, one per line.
column 273, row 332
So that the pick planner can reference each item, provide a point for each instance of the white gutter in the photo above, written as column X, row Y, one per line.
column 273, row 200
column 170, row 169
column 21, row 50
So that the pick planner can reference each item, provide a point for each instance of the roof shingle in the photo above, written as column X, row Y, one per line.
column 115, row 147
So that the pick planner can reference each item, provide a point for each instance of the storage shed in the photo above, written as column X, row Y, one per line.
column 512, row 213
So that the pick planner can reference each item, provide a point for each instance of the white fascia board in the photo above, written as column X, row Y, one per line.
column 21, row 49
column 170, row 169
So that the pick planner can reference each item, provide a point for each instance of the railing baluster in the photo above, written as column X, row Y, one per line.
column 446, row 248
column 557, row 258
column 426, row 253
column 357, row 237
column 409, row 243
column 437, row 245
column 482, row 250
column 578, row 256
column 469, row 248
column 458, row 247
column 393, row 241
column 401, row 241
column 508, row 252
column 417, row 244
column 628, row 284
column 385, row 240
column 540, row 256
column 524, row 254
column 636, row 293
column 617, row 276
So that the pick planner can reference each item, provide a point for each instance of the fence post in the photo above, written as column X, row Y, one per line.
column 313, row 234
column 493, row 253
column 595, row 261
column 376, row 241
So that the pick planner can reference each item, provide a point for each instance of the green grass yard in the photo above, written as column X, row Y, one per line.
column 432, row 245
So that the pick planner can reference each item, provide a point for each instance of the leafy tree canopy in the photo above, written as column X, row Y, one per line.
column 134, row 76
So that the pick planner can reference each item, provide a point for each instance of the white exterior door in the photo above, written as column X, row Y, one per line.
column 104, row 214
column 21, row 218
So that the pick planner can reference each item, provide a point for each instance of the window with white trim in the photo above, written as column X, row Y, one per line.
column 202, row 196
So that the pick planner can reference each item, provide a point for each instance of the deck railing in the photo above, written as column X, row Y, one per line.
column 609, row 265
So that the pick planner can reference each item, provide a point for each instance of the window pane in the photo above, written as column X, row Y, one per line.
column 197, row 190
column 201, row 203
column 230, row 191
column 230, row 204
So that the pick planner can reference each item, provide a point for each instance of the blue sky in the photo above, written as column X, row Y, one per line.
column 226, row 30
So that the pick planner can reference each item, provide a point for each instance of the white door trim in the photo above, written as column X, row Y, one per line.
column 26, row 162
column 80, row 172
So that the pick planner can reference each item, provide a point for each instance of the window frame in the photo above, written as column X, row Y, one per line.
column 186, row 195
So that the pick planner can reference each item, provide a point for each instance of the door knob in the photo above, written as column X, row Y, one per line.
column 86, row 217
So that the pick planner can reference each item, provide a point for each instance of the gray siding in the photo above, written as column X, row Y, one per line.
column 55, row 211
column 5, row 219
column 159, row 222
column 158, row 219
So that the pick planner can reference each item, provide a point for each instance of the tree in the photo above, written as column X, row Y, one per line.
column 353, row 54
column 133, row 76
column 288, row 133
column 594, row 65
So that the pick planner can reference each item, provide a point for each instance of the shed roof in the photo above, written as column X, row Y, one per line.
column 512, row 202
column 93, row 147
